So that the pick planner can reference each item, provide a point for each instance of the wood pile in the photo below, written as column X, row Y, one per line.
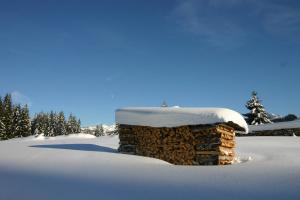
column 184, row 145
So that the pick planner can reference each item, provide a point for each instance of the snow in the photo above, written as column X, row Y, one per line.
column 70, row 136
column 90, row 168
column 106, row 128
column 275, row 126
column 177, row 116
column 109, row 128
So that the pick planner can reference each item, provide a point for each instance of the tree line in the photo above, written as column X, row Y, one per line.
column 54, row 124
column 98, row 131
column 15, row 121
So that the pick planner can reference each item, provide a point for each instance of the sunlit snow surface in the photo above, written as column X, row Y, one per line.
column 83, row 167
column 177, row 116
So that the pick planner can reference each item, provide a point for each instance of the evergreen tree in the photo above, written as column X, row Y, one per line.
column 61, row 124
column 40, row 124
column 257, row 114
column 47, row 125
column 2, row 126
column 52, row 123
column 16, row 130
column 25, row 123
column 2, row 130
column 78, row 127
column 35, row 125
column 72, row 126
column 7, row 116
column 99, row 131
column 43, row 123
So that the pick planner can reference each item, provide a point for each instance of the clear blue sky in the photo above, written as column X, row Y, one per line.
column 91, row 57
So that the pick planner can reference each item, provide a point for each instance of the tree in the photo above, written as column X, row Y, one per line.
column 61, row 124
column 25, row 123
column 40, row 124
column 257, row 114
column 2, row 126
column 78, row 127
column 16, row 130
column 34, row 123
column 7, row 116
column 72, row 125
column 44, row 126
column 2, row 130
column 99, row 131
column 52, row 123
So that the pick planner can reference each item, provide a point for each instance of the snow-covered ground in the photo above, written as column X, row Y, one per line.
column 84, row 167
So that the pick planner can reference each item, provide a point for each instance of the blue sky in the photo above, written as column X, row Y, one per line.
column 91, row 57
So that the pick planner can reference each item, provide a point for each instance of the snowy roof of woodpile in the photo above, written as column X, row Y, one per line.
column 177, row 116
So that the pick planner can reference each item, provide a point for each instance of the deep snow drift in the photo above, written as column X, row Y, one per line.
column 177, row 116
column 90, row 168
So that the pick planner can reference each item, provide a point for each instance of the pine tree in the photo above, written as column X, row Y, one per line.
column 25, row 123
column 43, row 123
column 7, row 116
column 39, row 124
column 2, row 126
column 2, row 130
column 78, row 126
column 99, row 131
column 61, row 124
column 16, row 130
column 72, row 126
column 47, row 125
column 257, row 114
column 52, row 123
column 34, row 123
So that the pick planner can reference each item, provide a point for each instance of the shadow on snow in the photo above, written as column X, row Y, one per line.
column 78, row 147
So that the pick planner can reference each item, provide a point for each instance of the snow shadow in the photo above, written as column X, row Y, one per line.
column 78, row 147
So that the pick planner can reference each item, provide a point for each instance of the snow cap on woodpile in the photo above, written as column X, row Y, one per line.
column 178, row 116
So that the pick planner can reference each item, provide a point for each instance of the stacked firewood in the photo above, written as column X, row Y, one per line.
column 214, row 145
column 184, row 145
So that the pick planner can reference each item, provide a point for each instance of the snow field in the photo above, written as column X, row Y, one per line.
column 90, row 168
